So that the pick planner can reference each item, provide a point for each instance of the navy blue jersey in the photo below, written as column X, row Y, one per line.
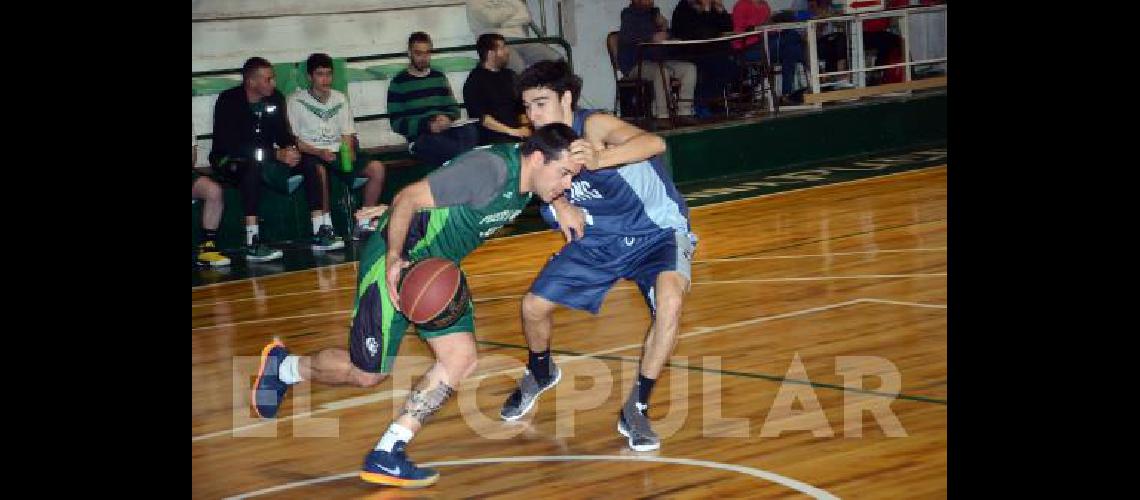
column 634, row 199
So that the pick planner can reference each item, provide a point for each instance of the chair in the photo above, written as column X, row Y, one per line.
column 632, row 97
column 756, row 85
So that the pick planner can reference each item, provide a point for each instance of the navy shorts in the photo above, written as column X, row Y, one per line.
column 580, row 275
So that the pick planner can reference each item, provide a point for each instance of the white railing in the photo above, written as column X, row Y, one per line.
column 855, row 47
column 854, row 31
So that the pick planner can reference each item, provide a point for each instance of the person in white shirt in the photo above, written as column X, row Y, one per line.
column 322, row 121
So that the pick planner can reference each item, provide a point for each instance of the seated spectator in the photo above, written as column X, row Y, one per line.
column 701, row 20
column 423, row 108
column 748, row 15
column 253, row 144
column 321, row 119
column 830, row 40
column 205, row 189
column 510, row 19
column 489, row 93
column 642, row 22
column 886, row 44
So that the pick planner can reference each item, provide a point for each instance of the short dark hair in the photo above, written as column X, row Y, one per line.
column 486, row 43
column 252, row 65
column 552, row 139
column 318, row 60
column 553, row 75
column 418, row 37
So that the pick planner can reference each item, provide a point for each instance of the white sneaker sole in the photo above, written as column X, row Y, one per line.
column 275, row 255
column 557, row 377
column 335, row 246
column 629, row 441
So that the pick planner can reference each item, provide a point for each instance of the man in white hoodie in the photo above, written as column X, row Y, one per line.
column 510, row 19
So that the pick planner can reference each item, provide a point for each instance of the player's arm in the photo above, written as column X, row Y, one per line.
column 568, row 218
column 624, row 143
column 489, row 122
column 474, row 179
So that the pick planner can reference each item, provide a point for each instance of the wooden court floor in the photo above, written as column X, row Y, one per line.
column 812, row 363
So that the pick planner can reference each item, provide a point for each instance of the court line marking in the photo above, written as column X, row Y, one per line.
column 752, row 375
column 712, row 204
column 903, row 303
column 619, row 287
column 507, row 273
column 832, row 254
column 253, row 279
column 380, row 396
column 788, row 482
column 820, row 278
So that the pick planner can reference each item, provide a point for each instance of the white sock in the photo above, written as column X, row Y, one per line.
column 290, row 370
column 316, row 224
column 396, row 432
column 326, row 219
column 250, row 232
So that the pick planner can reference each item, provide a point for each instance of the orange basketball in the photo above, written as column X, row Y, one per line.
column 433, row 293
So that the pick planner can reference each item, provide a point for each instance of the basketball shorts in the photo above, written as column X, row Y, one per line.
column 580, row 275
column 358, row 164
column 377, row 327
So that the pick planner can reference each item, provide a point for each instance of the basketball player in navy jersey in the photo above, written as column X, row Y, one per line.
column 623, row 218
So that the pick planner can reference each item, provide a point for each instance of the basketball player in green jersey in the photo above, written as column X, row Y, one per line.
column 448, row 214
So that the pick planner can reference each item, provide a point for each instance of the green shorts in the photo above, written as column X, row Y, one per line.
column 377, row 328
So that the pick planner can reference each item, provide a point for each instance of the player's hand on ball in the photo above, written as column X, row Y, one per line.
column 395, row 266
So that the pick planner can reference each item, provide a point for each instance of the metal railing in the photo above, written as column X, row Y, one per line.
column 855, row 43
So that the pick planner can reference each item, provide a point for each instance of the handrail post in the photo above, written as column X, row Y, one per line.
column 813, row 58
column 857, row 59
column 905, row 30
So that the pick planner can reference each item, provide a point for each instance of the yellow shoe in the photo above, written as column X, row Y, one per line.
column 208, row 255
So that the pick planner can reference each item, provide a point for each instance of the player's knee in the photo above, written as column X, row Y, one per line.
column 670, row 299
column 365, row 379
column 374, row 170
column 467, row 366
column 211, row 191
column 535, row 308
column 460, row 365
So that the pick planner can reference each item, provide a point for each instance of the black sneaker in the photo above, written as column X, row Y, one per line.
column 326, row 239
column 259, row 252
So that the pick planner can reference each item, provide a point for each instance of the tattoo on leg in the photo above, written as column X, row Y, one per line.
column 422, row 404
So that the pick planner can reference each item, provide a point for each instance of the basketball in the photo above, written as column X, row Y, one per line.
column 433, row 293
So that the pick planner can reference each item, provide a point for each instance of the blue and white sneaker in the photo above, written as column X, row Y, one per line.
column 394, row 469
column 269, row 390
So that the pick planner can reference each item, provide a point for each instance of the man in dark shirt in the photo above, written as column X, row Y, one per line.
column 701, row 20
column 252, row 142
column 641, row 22
column 489, row 93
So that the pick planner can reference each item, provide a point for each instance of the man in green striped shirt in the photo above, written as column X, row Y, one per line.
column 423, row 108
